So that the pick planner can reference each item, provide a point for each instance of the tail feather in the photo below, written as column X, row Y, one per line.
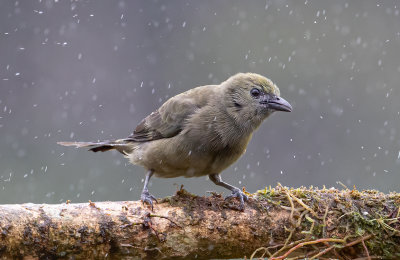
column 102, row 148
column 120, row 145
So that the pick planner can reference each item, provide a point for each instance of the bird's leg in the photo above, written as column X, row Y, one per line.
column 236, row 192
column 146, row 197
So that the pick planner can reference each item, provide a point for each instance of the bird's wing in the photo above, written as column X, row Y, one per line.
column 169, row 119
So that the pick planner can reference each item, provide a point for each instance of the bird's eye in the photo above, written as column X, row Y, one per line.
column 255, row 92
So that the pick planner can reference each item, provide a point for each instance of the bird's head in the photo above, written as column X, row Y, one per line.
column 251, row 98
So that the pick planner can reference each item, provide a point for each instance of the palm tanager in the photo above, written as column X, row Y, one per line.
column 199, row 132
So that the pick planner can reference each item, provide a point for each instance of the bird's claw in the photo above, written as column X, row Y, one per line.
column 237, row 193
column 146, row 197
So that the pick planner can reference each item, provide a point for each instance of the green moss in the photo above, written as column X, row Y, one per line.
column 345, row 214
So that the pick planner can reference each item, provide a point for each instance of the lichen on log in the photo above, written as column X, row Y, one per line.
column 278, row 223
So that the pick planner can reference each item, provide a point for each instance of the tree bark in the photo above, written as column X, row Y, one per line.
column 276, row 223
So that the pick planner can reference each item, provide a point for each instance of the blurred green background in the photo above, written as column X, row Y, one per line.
column 91, row 70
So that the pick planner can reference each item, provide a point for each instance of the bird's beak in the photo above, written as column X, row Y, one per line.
column 279, row 104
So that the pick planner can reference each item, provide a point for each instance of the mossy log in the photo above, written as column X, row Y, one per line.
column 278, row 223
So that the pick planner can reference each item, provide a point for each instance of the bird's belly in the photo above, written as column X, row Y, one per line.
column 168, row 160
column 185, row 165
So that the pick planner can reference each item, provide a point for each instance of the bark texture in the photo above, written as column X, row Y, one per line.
column 277, row 223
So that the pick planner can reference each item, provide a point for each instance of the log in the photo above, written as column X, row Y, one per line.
column 277, row 223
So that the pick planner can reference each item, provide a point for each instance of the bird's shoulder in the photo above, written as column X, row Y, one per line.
column 168, row 120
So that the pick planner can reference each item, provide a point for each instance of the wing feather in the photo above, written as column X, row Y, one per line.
column 169, row 119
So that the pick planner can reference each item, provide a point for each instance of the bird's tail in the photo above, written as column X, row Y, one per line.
column 121, row 145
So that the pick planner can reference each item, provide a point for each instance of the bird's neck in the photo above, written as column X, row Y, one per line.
column 232, row 132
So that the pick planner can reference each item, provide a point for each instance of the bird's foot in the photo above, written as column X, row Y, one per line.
column 237, row 193
column 146, row 197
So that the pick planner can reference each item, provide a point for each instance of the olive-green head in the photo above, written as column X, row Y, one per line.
column 252, row 97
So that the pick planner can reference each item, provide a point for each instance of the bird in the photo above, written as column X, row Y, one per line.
column 199, row 132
